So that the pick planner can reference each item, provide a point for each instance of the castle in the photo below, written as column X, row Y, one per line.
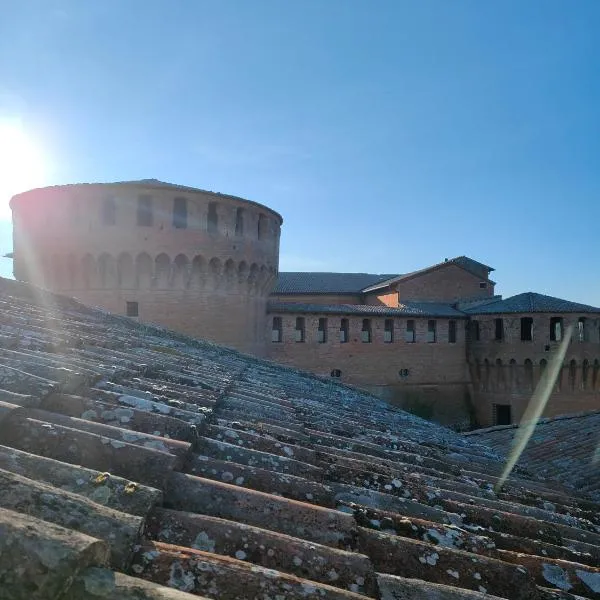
column 436, row 341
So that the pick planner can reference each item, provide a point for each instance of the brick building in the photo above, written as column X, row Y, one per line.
column 437, row 341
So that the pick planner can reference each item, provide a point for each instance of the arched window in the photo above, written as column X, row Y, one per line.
column 513, row 373
column 595, row 370
column 180, row 213
column 543, row 365
column 572, row 374
column 212, row 222
column 239, row 222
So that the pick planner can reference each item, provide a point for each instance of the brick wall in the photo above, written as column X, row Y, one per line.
column 499, row 380
column 388, row 298
column 318, row 298
column 205, row 280
column 445, row 283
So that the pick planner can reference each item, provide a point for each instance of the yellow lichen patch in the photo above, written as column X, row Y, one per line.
column 131, row 487
column 102, row 478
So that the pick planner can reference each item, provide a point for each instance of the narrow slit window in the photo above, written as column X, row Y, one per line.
column 526, row 329
column 452, row 332
column 180, row 213
column 388, row 332
column 109, row 211
column 145, row 213
column 410, row 334
column 556, row 329
column 431, row 331
column 344, row 330
column 132, row 309
column 322, row 331
column 300, row 330
column 499, row 329
column 365, row 333
column 239, row 222
column 212, row 221
column 474, row 331
column 277, row 330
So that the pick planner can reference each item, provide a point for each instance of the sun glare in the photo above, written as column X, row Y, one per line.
column 22, row 164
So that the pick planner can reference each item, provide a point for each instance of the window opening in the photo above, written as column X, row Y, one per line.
column 322, row 331
column 132, row 309
column 366, row 331
column 239, row 222
column 388, row 331
column 431, row 331
column 212, row 221
column 277, row 330
column 572, row 374
column 300, row 331
column 262, row 227
column 582, row 329
column 145, row 216
column 409, row 335
column 180, row 213
column 526, row 329
column 502, row 414
column 336, row 373
column 452, row 332
column 499, row 329
column 556, row 329
column 343, row 331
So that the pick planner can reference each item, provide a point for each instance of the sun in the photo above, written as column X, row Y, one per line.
column 22, row 164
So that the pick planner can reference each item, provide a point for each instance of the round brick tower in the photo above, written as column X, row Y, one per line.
column 198, row 262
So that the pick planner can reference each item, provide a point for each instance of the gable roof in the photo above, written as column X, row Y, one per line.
column 136, row 462
column 529, row 302
column 297, row 282
column 468, row 264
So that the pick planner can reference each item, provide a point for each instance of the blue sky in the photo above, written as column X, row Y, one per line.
column 389, row 134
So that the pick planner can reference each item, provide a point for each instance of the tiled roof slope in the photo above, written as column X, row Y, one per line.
column 532, row 302
column 417, row 309
column 137, row 463
column 565, row 447
column 291, row 282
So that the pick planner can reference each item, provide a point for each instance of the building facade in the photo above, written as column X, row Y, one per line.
column 437, row 341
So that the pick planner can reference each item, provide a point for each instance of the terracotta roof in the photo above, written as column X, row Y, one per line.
column 138, row 463
column 406, row 309
column 531, row 302
column 566, row 448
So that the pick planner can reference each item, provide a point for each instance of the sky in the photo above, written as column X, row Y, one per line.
column 389, row 134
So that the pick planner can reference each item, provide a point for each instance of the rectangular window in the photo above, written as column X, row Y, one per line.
column 431, row 331
column 499, row 329
column 483, row 285
column 473, row 330
column 452, row 332
column 132, row 309
column 239, row 222
column 526, row 329
column 109, row 211
column 344, row 329
column 322, row 331
column 365, row 334
column 502, row 414
column 277, row 330
column 300, row 329
column 212, row 219
column 180, row 213
column 556, row 329
column 388, row 331
column 410, row 334
column 145, row 216
column 582, row 330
